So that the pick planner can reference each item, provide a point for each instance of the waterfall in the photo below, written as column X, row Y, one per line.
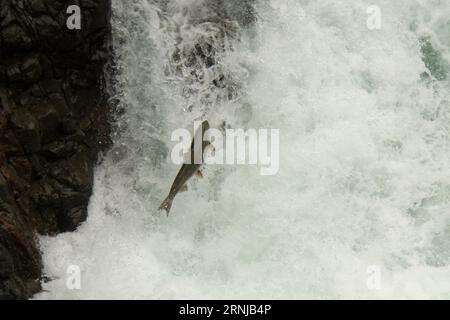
column 360, row 207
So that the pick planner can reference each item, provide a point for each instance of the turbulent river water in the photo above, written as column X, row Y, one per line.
column 360, row 207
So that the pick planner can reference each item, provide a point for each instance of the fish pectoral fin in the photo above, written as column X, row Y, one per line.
column 199, row 174
column 184, row 188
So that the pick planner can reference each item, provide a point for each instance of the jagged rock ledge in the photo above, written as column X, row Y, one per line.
column 54, row 121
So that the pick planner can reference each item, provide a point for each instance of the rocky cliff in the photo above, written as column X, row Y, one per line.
column 53, row 124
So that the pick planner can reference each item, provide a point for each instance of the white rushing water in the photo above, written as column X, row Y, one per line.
column 363, row 190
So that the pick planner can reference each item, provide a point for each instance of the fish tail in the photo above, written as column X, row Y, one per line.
column 166, row 205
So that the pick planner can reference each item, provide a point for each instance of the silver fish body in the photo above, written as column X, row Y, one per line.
column 187, row 170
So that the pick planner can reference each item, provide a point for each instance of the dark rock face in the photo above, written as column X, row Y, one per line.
column 54, row 121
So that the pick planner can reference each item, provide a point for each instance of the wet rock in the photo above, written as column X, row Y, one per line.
column 6, row 105
column 85, row 124
column 69, row 126
column 74, row 218
column 13, row 73
column 38, row 6
column 62, row 207
column 54, row 121
column 50, row 113
column 6, row 263
column 6, row 199
column 27, row 130
column 75, row 172
column 31, row 68
column 47, row 26
column 27, row 69
column 49, row 86
column 28, row 98
column 15, row 38
column 59, row 149
column 6, row 16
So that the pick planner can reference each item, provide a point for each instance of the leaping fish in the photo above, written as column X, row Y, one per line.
column 187, row 170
